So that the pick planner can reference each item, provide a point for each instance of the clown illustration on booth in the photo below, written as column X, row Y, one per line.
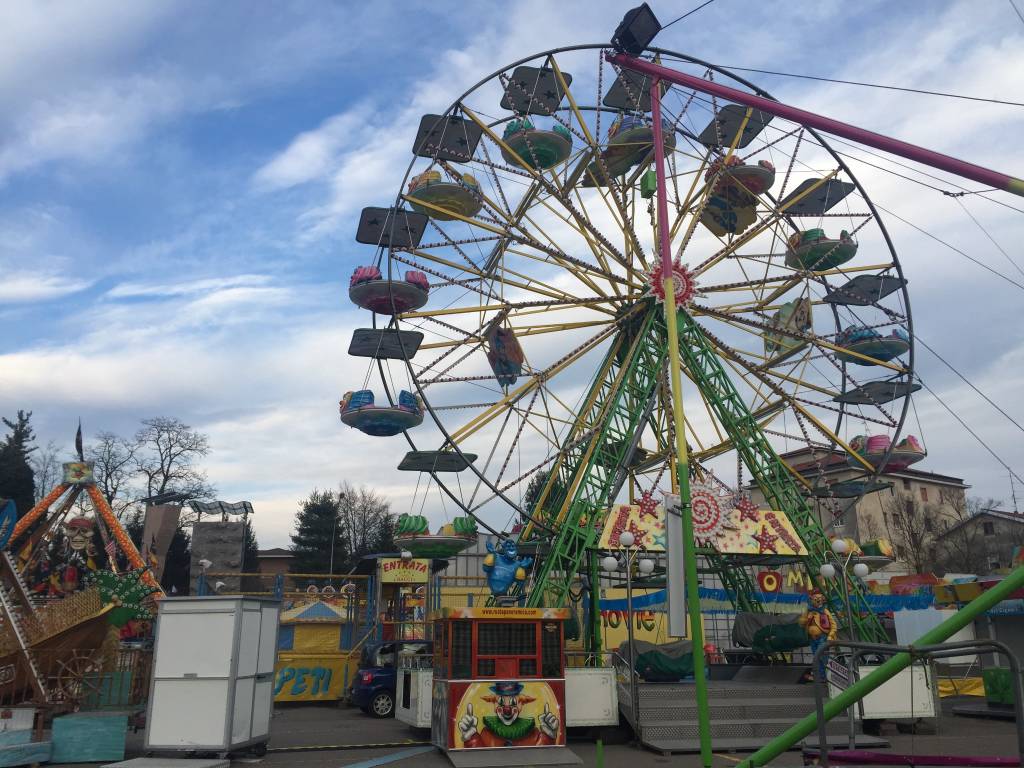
column 510, row 726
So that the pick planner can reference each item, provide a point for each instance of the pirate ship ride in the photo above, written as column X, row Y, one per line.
column 68, row 582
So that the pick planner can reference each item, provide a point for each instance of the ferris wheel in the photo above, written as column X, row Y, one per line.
column 516, row 296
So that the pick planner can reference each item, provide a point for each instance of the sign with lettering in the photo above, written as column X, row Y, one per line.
column 395, row 570
column 837, row 674
column 309, row 678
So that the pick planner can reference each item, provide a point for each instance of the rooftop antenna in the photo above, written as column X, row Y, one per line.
column 1013, row 494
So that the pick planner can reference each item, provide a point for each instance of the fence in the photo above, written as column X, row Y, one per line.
column 79, row 679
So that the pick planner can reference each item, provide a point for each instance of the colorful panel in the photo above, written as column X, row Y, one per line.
column 745, row 530
column 506, row 713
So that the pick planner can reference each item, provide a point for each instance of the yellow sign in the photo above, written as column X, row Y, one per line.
column 299, row 677
column 746, row 530
column 395, row 570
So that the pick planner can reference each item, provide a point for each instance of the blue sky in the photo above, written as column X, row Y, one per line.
column 179, row 184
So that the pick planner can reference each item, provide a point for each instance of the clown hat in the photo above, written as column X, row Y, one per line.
column 507, row 688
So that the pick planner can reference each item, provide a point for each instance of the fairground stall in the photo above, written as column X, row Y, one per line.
column 499, row 679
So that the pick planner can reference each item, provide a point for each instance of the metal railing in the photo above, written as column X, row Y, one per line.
column 923, row 652
column 86, row 679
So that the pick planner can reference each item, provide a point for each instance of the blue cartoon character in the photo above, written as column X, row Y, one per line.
column 504, row 568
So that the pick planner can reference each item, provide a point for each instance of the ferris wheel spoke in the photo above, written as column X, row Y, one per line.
column 769, row 221
column 529, row 284
column 818, row 341
column 517, row 394
column 794, row 403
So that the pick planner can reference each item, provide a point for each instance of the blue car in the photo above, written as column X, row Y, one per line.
column 373, row 689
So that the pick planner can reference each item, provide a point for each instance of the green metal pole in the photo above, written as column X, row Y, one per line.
column 889, row 669
column 594, row 628
column 700, row 683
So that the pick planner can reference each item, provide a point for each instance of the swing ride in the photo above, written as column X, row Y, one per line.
column 660, row 289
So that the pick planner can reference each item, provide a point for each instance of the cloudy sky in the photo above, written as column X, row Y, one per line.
column 180, row 181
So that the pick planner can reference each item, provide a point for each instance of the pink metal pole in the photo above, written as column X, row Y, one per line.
column 878, row 141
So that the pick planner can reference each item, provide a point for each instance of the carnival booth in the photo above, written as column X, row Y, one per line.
column 499, row 678
column 311, row 661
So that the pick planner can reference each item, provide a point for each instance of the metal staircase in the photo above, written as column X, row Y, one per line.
column 745, row 714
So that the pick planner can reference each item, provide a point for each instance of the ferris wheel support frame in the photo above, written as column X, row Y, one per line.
column 682, row 459
column 904, row 149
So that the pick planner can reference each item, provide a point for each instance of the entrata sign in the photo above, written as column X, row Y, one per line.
column 395, row 570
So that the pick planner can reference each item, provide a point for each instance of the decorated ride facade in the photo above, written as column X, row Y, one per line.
column 498, row 678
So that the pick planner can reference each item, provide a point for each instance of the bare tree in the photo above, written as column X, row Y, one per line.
column 47, row 468
column 962, row 548
column 365, row 521
column 166, row 454
column 911, row 528
column 114, row 467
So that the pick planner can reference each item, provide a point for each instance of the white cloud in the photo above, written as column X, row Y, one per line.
column 208, row 285
column 311, row 154
column 24, row 287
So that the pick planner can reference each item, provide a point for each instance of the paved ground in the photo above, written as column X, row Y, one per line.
column 295, row 728
column 333, row 726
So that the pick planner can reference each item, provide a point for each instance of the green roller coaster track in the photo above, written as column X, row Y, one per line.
column 592, row 466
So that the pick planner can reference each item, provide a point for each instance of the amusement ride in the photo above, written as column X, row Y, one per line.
column 616, row 277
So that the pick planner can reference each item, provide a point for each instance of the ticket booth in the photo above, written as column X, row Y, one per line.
column 499, row 679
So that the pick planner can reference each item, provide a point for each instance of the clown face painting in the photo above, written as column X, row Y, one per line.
column 510, row 714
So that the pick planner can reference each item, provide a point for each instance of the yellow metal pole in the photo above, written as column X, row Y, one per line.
column 682, row 460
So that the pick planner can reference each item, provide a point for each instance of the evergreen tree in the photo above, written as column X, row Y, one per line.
column 251, row 561
column 251, row 550
column 17, row 480
column 319, row 532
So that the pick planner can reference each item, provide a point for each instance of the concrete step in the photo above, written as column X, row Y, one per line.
column 749, row 744
column 653, row 693
column 727, row 729
column 740, row 709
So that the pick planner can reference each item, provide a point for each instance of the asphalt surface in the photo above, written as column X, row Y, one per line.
column 320, row 736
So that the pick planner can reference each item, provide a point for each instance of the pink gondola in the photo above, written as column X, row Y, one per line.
column 368, row 289
column 873, row 449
